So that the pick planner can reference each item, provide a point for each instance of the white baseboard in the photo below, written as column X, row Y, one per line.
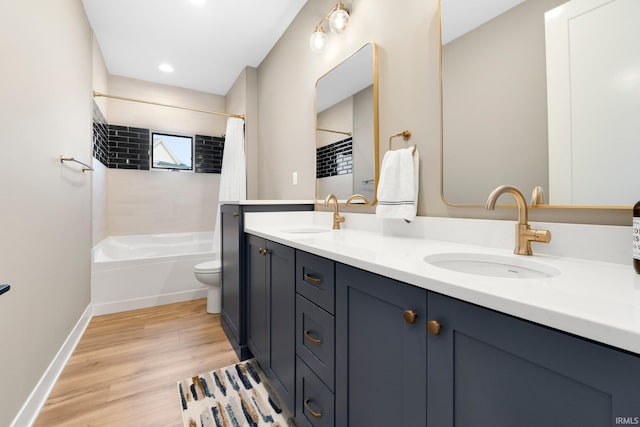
column 36, row 400
column 144, row 302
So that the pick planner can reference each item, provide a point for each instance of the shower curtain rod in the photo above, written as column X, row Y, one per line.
column 334, row 131
column 122, row 98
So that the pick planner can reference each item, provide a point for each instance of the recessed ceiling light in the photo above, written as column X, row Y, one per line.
column 198, row 2
column 167, row 68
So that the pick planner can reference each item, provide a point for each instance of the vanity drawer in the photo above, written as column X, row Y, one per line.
column 315, row 403
column 315, row 279
column 315, row 339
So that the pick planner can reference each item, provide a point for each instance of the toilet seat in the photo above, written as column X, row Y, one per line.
column 208, row 267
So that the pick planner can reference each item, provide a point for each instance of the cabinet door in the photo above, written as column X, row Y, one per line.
column 257, row 297
column 490, row 369
column 232, row 299
column 281, row 314
column 380, row 357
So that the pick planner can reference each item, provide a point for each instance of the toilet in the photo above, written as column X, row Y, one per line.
column 209, row 274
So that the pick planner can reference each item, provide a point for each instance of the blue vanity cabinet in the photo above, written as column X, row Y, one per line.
column 315, row 341
column 271, row 313
column 233, row 314
column 490, row 369
column 381, row 350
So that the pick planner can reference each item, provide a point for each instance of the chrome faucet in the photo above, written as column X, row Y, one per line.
column 524, row 234
column 337, row 218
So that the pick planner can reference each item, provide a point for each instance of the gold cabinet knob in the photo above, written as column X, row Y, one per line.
column 433, row 326
column 410, row 316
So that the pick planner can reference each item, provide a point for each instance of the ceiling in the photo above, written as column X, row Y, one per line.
column 461, row 16
column 208, row 42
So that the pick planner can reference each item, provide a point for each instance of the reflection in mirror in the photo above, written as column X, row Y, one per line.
column 541, row 93
column 347, row 128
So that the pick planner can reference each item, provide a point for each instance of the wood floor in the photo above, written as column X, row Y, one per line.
column 125, row 368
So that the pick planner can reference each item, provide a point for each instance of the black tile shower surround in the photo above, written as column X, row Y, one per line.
column 335, row 159
column 127, row 147
column 207, row 154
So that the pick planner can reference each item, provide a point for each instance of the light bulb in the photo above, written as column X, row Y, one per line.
column 338, row 20
column 318, row 41
column 167, row 68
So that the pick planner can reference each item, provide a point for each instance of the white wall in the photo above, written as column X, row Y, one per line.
column 45, row 220
column 99, row 176
column 141, row 202
column 242, row 98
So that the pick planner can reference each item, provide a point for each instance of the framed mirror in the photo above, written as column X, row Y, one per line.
column 541, row 93
column 347, row 128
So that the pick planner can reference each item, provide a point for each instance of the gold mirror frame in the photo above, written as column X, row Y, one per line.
column 376, row 127
column 460, row 205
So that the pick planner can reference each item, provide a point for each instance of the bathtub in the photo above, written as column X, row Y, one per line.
column 138, row 271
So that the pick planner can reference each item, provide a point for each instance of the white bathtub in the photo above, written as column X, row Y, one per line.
column 129, row 272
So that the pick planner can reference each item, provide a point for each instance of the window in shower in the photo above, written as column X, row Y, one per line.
column 173, row 152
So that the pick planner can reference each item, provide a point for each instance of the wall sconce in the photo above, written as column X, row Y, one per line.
column 338, row 18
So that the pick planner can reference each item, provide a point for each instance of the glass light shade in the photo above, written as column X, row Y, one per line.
column 338, row 20
column 318, row 41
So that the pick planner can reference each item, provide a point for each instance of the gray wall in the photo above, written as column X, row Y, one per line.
column 495, row 106
column 45, row 220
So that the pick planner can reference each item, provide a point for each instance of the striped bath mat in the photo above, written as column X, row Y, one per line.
column 235, row 396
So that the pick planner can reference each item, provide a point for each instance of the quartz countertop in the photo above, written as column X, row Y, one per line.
column 593, row 299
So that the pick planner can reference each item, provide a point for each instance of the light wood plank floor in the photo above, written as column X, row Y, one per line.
column 125, row 368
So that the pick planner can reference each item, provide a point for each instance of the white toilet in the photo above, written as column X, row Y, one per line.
column 209, row 274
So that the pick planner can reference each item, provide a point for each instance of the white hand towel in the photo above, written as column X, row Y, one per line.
column 398, row 186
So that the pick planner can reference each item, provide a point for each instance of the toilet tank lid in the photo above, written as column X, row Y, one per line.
column 208, row 267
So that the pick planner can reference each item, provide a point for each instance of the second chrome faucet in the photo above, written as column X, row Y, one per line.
column 524, row 233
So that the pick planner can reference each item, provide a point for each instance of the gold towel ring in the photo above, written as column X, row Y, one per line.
column 406, row 135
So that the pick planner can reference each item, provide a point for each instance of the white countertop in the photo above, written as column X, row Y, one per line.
column 593, row 299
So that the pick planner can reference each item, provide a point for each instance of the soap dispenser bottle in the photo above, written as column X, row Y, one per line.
column 636, row 237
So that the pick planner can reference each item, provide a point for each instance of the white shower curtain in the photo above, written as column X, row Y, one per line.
column 233, row 178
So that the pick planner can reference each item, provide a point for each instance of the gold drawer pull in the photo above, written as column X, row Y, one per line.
column 312, row 280
column 410, row 316
column 312, row 339
column 312, row 412
column 433, row 326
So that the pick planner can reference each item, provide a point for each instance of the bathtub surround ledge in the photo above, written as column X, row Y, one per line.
column 36, row 400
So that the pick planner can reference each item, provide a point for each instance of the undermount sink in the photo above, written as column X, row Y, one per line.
column 513, row 267
column 306, row 230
